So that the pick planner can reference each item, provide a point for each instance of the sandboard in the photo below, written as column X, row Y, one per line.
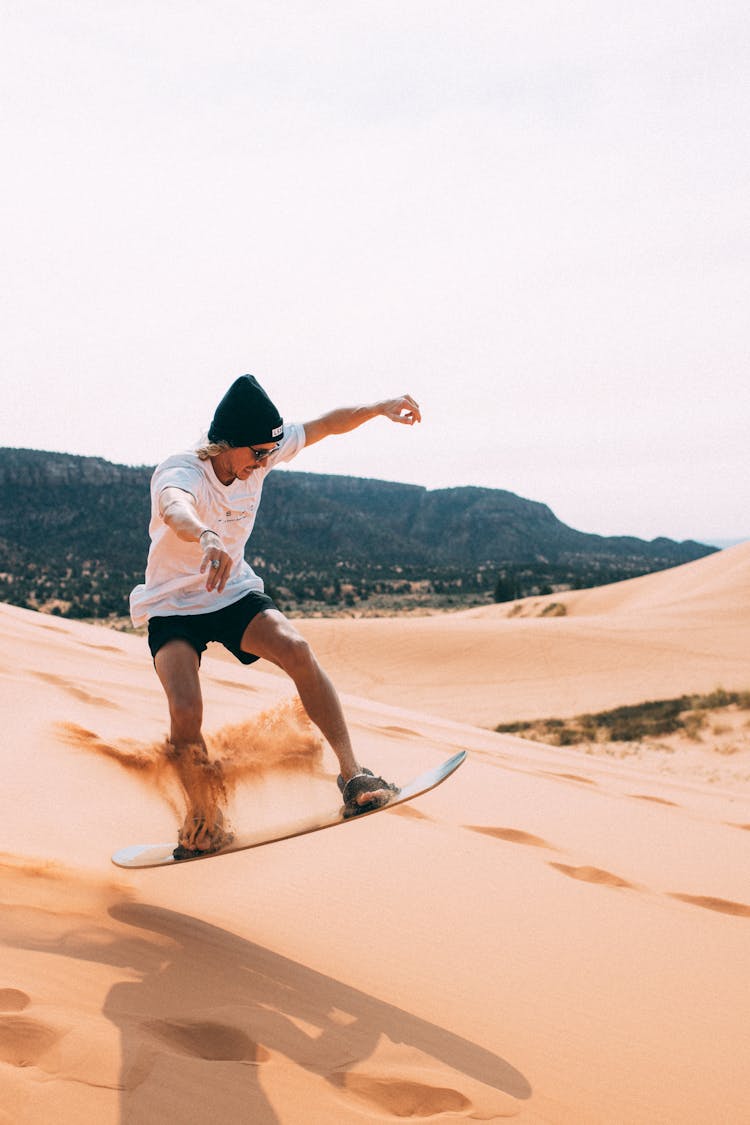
column 160, row 855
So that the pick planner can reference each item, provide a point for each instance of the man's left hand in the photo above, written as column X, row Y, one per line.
column 404, row 409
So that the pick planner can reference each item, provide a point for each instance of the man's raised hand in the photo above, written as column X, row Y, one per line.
column 404, row 409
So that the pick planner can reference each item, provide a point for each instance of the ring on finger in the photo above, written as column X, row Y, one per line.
column 215, row 564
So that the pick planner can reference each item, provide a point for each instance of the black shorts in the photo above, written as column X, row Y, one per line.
column 225, row 625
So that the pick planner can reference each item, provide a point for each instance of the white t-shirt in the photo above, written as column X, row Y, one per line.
column 174, row 583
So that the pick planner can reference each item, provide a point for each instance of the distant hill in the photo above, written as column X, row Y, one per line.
column 73, row 540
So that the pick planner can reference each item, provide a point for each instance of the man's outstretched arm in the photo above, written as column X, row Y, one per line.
column 403, row 409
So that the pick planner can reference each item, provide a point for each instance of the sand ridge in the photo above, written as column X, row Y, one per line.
column 665, row 634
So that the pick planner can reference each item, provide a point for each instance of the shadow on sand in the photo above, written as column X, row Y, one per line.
column 212, row 1026
column 209, row 1023
column 227, row 1006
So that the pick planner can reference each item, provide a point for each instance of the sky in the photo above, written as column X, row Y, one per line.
column 530, row 215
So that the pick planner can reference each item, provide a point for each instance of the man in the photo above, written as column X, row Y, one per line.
column 199, row 587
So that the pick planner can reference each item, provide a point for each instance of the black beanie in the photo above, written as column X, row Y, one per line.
column 246, row 415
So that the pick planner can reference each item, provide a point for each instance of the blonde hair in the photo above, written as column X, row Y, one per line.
column 212, row 449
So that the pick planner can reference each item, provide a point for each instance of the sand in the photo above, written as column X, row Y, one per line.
column 551, row 936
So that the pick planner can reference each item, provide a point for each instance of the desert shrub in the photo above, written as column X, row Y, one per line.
column 554, row 609
column 631, row 722
column 627, row 724
column 717, row 698
column 693, row 723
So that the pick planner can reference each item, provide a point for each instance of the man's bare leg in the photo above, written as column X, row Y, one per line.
column 177, row 667
column 271, row 636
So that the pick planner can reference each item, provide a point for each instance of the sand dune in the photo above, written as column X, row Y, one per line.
column 682, row 630
column 547, row 937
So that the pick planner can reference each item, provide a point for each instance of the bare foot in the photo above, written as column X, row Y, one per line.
column 204, row 833
column 373, row 794
column 376, row 797
column 202, row 782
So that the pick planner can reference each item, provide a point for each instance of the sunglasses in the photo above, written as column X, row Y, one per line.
column 261, row 454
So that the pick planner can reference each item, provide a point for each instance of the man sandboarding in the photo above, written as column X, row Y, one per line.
column 199, row 588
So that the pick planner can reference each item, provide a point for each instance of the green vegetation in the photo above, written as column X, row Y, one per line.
column 686, row 713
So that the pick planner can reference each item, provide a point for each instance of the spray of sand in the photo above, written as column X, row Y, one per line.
column 197, row 788
column 280, row 740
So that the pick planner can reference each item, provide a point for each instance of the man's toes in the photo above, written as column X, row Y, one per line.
column 374, row 797
column 193, row 832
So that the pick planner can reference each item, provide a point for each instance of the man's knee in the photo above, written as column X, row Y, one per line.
column 272, row 636
column 293, row 652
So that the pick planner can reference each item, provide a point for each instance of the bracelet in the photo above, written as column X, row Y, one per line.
column 208, row 531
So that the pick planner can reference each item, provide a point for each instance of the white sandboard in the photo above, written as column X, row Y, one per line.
column 160, row 855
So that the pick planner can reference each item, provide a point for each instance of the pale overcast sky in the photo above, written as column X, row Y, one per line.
column 531, row 215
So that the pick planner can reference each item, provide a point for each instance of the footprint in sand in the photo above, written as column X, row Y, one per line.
column 409, row 813
column 655, row 800
column 23, row 1041
column 244, row 688
column 218, row 1042
column 572, row 777
column 721, row 905
column 55, row 629
column 75, row 691
column 13, row 1000
column 511, row 836
column 405, row 1098
column 401, row 732
column 593, row 875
